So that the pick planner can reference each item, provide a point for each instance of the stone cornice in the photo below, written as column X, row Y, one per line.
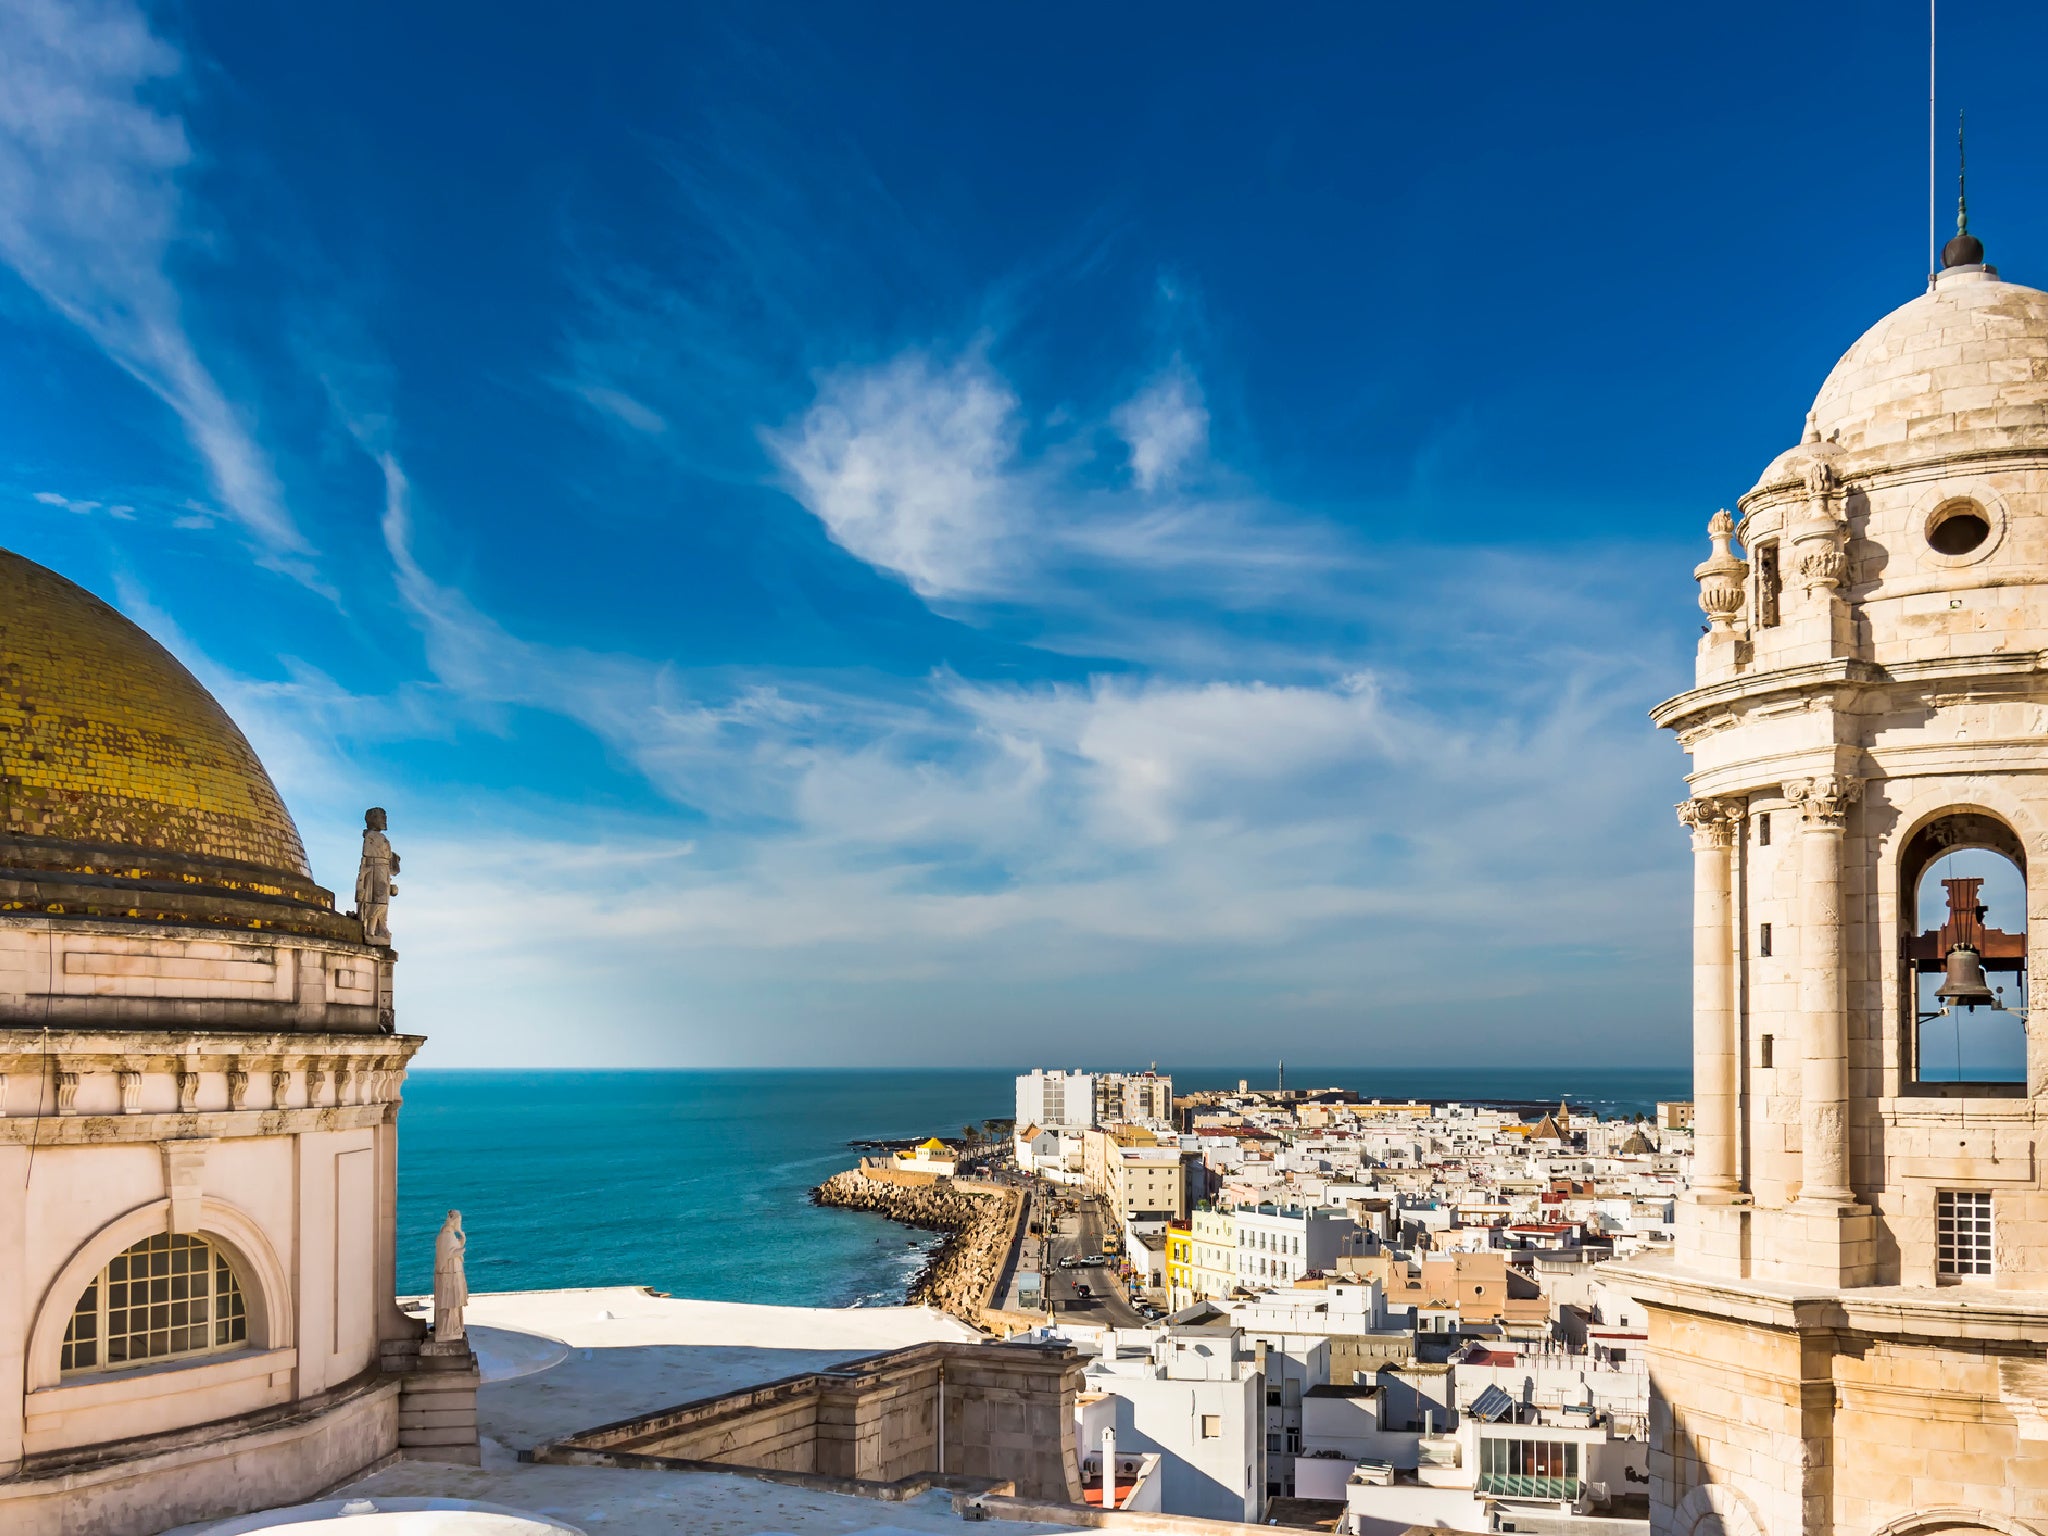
column 1839, row 673
column 1888, row 471
column 1951, row 1312
column 161, row 1050
column 226, row 1124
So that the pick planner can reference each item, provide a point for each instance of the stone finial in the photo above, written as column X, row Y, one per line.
column 1824, row 801
column 1723, row 575
column 1821, row 481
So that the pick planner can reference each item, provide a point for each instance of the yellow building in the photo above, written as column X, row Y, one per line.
column 1212, row 1255
column 930, row 1156
column 1179, row 1265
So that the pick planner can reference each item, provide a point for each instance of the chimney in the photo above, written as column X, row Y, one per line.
column 1109, row 1466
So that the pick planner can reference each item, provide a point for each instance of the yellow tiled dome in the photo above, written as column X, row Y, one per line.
column 106, row 740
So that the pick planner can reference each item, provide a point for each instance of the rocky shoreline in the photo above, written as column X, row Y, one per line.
column 962, row 1271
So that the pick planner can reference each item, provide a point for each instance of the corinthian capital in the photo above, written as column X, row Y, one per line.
column 1824, row 802
column 1711, row 819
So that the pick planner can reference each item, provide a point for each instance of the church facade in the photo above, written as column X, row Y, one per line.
column 1850, row 1336
column 199, row 1092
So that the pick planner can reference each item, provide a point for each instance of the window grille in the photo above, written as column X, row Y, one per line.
column 166, row 1296
column 1962, row 1222
column 1763, row 940
column 1763, row 830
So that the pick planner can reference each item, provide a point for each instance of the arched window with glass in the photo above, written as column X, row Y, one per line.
column 167, row 1297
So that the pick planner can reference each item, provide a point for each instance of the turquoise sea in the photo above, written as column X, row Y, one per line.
column 694, row 1182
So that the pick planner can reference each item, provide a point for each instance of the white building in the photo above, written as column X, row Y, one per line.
column 1056, row 1101
column 1053, row 1109
column 1279, row 1244
column 1196, row 1397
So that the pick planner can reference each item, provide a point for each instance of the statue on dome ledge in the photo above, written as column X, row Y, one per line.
column 375, row 885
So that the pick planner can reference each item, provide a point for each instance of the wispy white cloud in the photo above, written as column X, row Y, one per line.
column 1166, row 427
column 1294, row 843
column 919, row 468
column 617, row 406
column 91, row 213
column 910, row 468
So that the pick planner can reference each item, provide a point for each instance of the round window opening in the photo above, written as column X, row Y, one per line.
column 1957, row 528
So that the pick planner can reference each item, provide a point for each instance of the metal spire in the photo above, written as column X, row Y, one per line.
column 1963, row 249
column 1962, row 197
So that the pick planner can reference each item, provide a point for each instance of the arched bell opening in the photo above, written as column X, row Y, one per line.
column 1965, row 951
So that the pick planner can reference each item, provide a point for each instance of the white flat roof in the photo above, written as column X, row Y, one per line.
column 555, row 1362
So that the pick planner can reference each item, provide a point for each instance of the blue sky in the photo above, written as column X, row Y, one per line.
column 862, row 535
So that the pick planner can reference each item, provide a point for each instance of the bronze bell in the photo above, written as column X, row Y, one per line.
column 1964, row 983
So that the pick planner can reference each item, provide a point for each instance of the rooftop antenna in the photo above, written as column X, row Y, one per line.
column 1932, row 261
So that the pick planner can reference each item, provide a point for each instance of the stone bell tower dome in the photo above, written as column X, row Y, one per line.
column 1850, row 1336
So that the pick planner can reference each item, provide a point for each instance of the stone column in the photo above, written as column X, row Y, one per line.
column 1823, row 989
column 1715, row 1053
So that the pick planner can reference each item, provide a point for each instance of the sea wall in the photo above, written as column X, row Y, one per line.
column 980, row 1222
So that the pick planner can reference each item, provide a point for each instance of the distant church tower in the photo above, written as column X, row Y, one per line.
column 1850, row 1337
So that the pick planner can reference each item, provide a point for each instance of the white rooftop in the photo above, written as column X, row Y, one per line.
column 559, row 1361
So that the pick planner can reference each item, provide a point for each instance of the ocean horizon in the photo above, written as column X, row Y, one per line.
column 694, row 1181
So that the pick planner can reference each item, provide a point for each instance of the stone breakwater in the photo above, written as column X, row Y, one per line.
column 979, row 1221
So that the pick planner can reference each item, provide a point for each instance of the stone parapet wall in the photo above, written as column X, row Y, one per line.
column 997, row 1412
column 215, row 1471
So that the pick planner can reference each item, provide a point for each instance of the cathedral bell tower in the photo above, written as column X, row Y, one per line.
column 1850, row 1335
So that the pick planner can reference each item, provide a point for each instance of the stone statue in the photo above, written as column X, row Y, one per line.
column 451, row 1285
column 374, row 883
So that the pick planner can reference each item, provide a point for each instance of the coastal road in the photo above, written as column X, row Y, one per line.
column 1082, row 1233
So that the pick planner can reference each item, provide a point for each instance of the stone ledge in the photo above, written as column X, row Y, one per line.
column 227, row 1124
column 213, row 1049
column 1945, row 1312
